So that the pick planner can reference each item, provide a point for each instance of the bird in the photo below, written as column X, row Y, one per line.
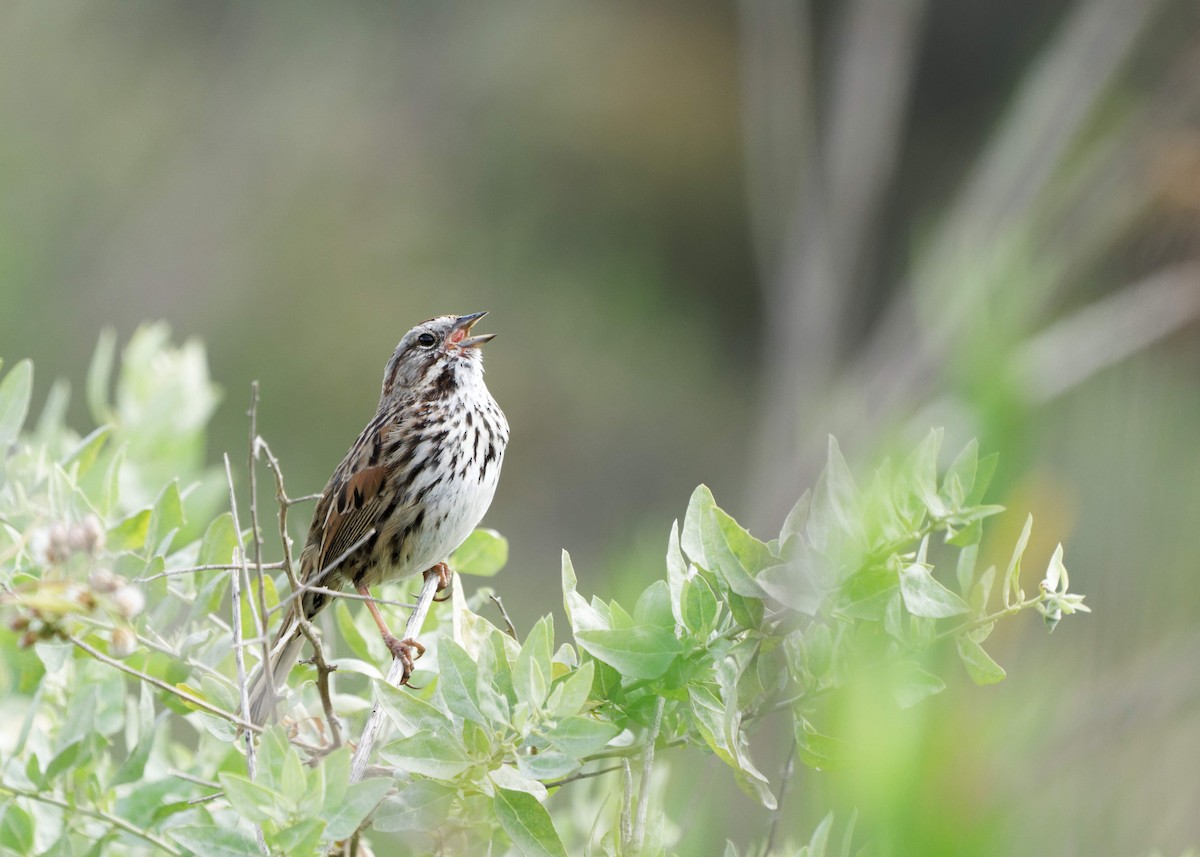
column 409, row 491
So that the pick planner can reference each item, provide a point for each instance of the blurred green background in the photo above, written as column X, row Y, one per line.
column 709, row 234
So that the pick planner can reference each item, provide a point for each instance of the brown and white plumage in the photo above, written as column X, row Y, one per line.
column 411, row 488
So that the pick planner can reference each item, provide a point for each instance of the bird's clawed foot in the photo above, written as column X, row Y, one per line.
column 405, row 651
column 445, row 580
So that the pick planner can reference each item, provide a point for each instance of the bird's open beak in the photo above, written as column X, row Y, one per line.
column 462, row 327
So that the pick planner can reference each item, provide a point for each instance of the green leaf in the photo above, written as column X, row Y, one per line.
column 15, row 392
column 52, row 420
column 252, row 800
column 983, row 478
column 130, row 533
column 581, row 736
column 134, row 766
column 654, row 607
column 349, row 632
column 216, row 547
column 700, row 606
column 294, row 781
column 1012, row 577
column 409, row 712
column 483, row 554
column 980, row 666
column 16, row 830
column 458, row 680
column 819, row 842
column 732, row 552
column 166, row 517
column 419, row 805
column 817, row 751
column 86, row 451
column 692, row 542
column 924, row 474
column 719, row 726
column 793, row 524
column 835, row 505
column 209, row 841
column 360, row 800
column 527, row 824
column 676, row 573
column 571, row 693
column 532, row 674
column 431, row 754
column 99, row 373
column 924, row 596
column 303, row 837
column 273, row 748
column 913, row 684
column 509, row 777
column 639, row 652
column 581, row 615
column 959, row 481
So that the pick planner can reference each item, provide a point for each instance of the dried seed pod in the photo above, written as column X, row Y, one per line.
column 129, row 601
column 103, row 580
column 123, row 643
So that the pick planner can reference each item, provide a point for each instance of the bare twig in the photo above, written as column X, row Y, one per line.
column 114, row 820
column 238, row 655
column 626, row 807
column 318, row 657
column 785, row 777
column 341, row 593
column 255, row 529
column 639, row 827
column 366, row 744
column 582, row 775
column 512, row 632
column 196, row 569
column 301, row 588
column 162, row 685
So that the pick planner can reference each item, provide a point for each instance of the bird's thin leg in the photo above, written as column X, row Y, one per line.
column 402, row 650
column 445, row 580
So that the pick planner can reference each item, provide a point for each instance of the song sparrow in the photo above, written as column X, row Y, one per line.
column 409, row 491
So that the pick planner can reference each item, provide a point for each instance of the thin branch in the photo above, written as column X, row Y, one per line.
column 639, row 827
column 341, row 593
column 318, row 656
column 195, row 569
column 159, row 645
column 191, row 778
column 785, row 777
column 366, row 743
column 256, row 530
column 239, row 655
column 582, row 775
column 512, row 632
column 626, row 807
column 239, row 659
column 162, row 685
column 114, row 820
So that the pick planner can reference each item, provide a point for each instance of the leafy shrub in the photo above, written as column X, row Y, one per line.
column 133, row 609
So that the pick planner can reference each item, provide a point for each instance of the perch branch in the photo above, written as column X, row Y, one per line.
column 239, row 659
column 362, row 753
column 318, row 656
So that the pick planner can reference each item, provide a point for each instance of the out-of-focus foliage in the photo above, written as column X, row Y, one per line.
column 991, row 216
column 128, row 678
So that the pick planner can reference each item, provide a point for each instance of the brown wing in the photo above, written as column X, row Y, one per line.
column 354, row 510
column 351, row 504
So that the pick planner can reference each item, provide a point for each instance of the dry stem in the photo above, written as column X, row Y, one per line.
column 362, row 753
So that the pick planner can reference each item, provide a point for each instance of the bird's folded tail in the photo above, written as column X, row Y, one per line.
column 284, row 653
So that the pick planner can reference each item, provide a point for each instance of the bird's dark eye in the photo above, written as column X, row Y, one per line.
column 426, row 340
